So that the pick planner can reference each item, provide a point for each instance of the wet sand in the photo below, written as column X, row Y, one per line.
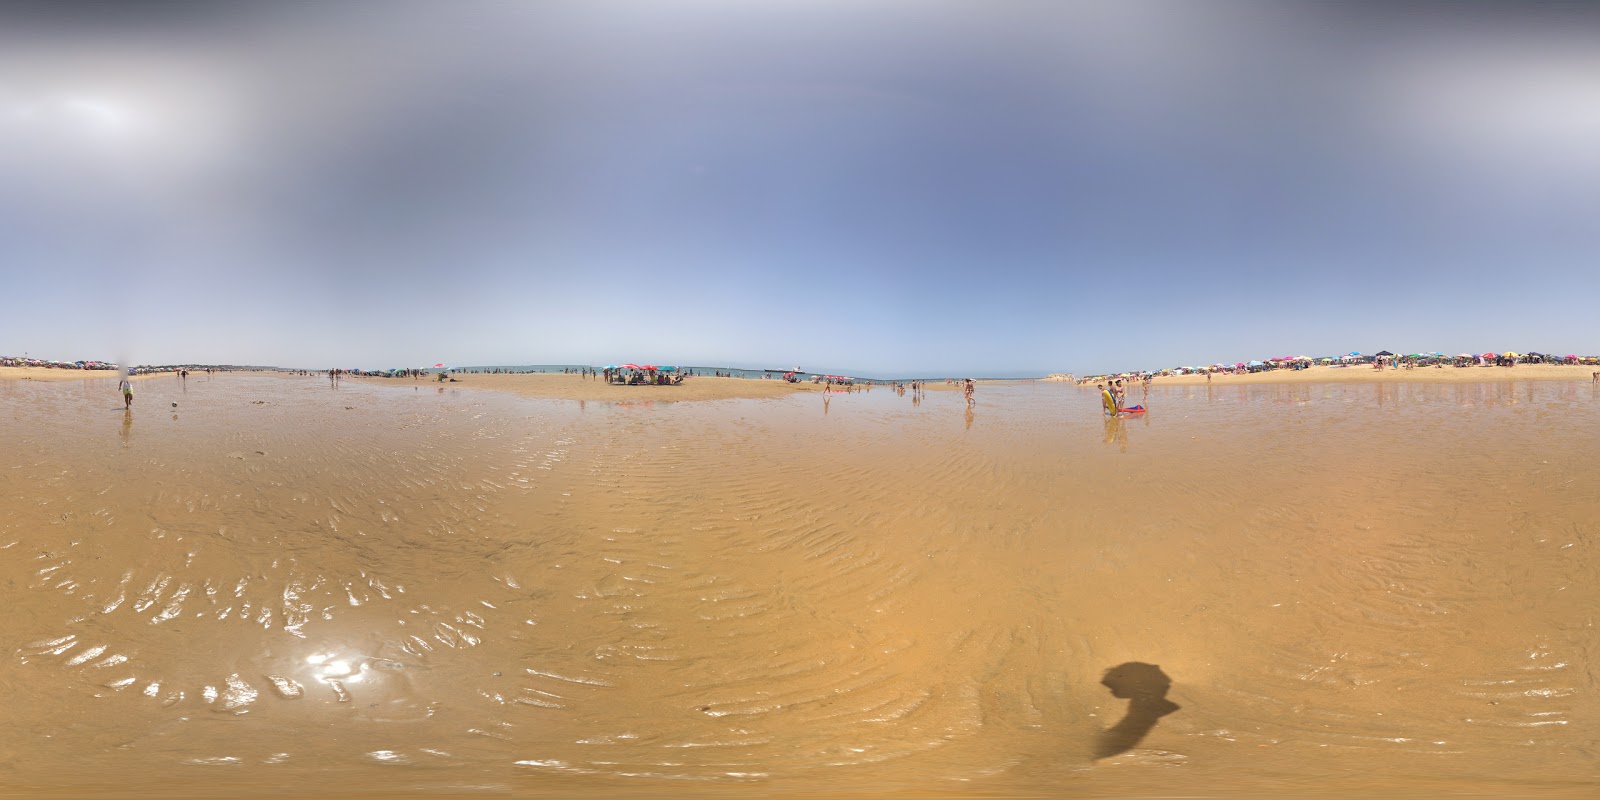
column 285, row 589
column 560, row 386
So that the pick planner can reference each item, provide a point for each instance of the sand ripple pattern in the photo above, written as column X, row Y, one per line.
column 275, row 543
column 1351, row 586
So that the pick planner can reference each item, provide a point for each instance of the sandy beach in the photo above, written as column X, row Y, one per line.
column 42, row 374
column 1366, row 374
column 561, row 386
column 474, row 588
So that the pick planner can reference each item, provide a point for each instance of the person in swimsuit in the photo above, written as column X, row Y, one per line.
column 126, row 388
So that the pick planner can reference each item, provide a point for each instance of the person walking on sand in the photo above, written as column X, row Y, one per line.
column 126, row 387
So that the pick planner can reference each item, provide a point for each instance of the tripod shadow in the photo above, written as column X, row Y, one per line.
column 1145, row 687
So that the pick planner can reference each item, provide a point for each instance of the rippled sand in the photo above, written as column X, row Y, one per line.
column 561, row 386
column 383, row 588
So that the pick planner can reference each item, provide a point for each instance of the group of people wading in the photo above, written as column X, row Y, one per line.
column 1114, row 398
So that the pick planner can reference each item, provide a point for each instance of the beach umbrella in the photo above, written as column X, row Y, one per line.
column 650, row 367
column 1256, row 364
column 1510, row 354
column 438, row 365
column 675, row 369
column 630, row 366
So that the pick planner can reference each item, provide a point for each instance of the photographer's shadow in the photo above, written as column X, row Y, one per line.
column 1145, row 687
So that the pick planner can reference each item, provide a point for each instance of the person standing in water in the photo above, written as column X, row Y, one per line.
column 126, row 387
column 968, row 388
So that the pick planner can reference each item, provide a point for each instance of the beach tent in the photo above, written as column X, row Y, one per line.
column 1382, row 353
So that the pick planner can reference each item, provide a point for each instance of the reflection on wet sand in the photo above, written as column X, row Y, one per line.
column 473, row 592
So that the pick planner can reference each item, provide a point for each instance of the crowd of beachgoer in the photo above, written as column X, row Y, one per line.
column 642, row 377
column 1380, row 360
column 179, row 370
column 24, row 361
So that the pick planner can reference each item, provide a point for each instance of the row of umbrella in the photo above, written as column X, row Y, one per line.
column 39, row 362
column 1284, row 360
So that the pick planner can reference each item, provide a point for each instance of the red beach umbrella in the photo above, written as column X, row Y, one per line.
column 438, row 365
column 650, row 367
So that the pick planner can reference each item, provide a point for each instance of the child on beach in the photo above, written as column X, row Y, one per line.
column 127, row 393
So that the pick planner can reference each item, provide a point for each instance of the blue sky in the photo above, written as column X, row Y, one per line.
column 882, row 187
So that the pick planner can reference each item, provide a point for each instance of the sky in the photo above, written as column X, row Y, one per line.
column 890, row 187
